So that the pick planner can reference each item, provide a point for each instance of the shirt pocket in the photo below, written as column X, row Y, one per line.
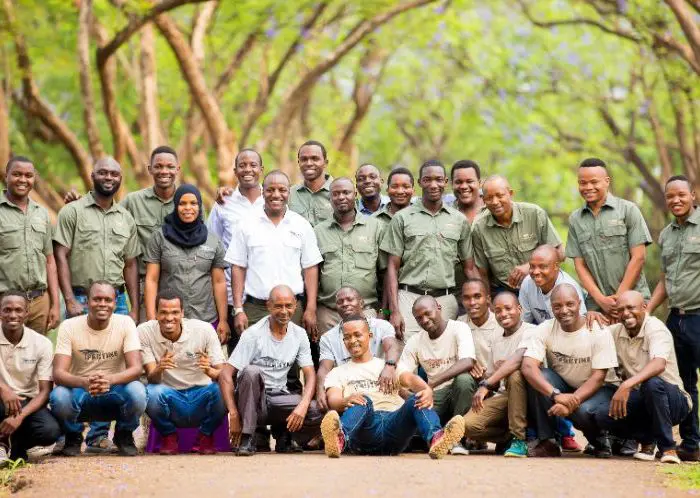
column 615, row 236
column 415, row 237
column 39, row 228
column 365, row 255
column 118, row 237
column 204, row 258
column 292, row 248
column 329, row 252
column 585, row 240
column 449, row 240
column 526, row 246
column 10, row 237
column 86, row 235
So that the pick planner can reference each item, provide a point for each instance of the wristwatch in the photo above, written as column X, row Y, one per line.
column 485, row 384
column 555, row 392
column 391, row 363
column 237, row 310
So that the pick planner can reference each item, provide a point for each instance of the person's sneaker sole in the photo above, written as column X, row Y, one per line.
column 670, row 459
column 453, row 432
column 513, row 455
column 645, row 457
column 330, row 429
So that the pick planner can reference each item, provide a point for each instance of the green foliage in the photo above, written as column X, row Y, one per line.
column 686, row 476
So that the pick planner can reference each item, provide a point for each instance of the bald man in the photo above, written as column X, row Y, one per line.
column 504, row 238
column 349, row 244
column 369, row 184
column 573, row 385
column 254, row 381
column 651, row 399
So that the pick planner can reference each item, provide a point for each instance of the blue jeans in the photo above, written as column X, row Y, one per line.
column 198, row 406
column 124, row 403
column 100, row 430
column 386, row 433
column 686, row 339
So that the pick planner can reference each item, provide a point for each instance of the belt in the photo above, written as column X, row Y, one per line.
column 83, row 291
column 679, row 311
column 33, row 294
column 263, row 302
column 428, row 292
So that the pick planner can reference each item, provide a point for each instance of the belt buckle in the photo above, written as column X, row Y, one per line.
column 681, row 311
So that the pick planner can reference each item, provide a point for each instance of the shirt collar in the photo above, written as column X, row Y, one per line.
column 383, row 201
column 693, row 218
column 90, row 201
column 421, row 207
column 4, row 200
column 238, row 197
column 517, row 217
column 325, row 186
column 610, row 202
column 490, row 322
column 624, row 333
column 151, row 193
column 23, row 342
column 359, row 220
column 162, row 339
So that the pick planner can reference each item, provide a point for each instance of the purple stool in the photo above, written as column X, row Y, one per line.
column 187, row 438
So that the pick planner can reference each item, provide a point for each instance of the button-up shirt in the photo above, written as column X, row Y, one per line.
column 362, row 209
column 537, row 306
column 680, row 262
column 99, row 241
column 224, row 219
column 500, row 249
column 315, row 207
column 25, row 242
column 604, row 243
column 273, row 254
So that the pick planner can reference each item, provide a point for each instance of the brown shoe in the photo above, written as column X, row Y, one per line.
column 688, row 455
column 546, row 448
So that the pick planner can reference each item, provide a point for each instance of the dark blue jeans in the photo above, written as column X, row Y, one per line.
column 124, row 403
column 373, row 432
column 198, row 406
column 652, row 411
column 686, row 339
column 587, row 418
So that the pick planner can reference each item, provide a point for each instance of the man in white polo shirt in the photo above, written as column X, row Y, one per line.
column 181, row 357
column 25, row 382
column 274, row 246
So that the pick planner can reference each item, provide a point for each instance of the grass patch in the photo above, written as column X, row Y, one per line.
column 685, row 476
column 8, row 482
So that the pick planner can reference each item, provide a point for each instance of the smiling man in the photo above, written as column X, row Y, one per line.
column 369, row 184
column 311, row 199
column 466, row 175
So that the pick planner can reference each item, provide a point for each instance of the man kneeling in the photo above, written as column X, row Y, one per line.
column 365, row 420
column 181, row 357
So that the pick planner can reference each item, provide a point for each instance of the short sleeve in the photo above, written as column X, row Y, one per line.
column 548, row 232
column 386, row 330
column 243, row 354
column 154, row 248
column 573, row 250
column 465, row 342
column 637, row 230
column 213, row 347
column 48, row 245
column 661, row 250
column 219, row 256
column 409, row 357
column 237, row 251
column 392, row 240
column 65, row 226
column 603, row 353
column 310, row 254
column 478, row 248
column 147, row 355
column 131, row 337
column 133, row 248
column 44, row 367
column 333, row 380
column 304, row 354
column 524, row 299
column 214, row 220
column 534, row 345
column 64, row 342
column 660, row 342
column 465, row 243
column 324, row 346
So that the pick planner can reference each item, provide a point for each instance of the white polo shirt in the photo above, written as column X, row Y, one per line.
column 224, row 219
column 273, row 255
column 23, row 365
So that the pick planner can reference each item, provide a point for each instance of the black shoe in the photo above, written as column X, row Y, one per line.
column 17, row 454
column 603, row 448
column 262, row 441
column 286, row 444
column 624, row 447
column 124, row 441
column 502, row 447
column 687, row 455
column 246, row 446
column 73, row 445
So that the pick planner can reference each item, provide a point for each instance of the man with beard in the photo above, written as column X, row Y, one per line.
column 505, row 237
column 27, row 262
column 573, row 385
column 424, row 243
column 680, row 267
column 369, row 184
column 96, row 240
column 349, row 244
column 311, row 199
column 465, row 176
column 383, row 344
column 234, row 207
column 260, row 365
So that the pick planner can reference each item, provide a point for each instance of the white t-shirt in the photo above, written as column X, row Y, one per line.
column 436, row 356
column 363, row 378
column 573, row 355
column 333, row 348
column 503, row 346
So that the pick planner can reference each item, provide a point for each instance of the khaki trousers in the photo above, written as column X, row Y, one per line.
column 38, row 315
column 503, row 415
column 448, row 304
column 327, row 318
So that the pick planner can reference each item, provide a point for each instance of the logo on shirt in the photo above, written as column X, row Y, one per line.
column 570, row 360
column 438, row 362
column 97, row 355
column 364, row 385
column 616, row 223
column 527, row 236
column 273, row 363
column 30, row 361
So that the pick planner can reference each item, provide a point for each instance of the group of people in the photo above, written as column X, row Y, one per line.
column 370, row 324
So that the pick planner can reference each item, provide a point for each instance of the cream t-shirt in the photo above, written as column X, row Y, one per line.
column 363, row 378
column 503, row 346
column 97, row 351
column 573, row 355
column 22, row 366
column 197, row 337
column 483, row 336
column 436, row 356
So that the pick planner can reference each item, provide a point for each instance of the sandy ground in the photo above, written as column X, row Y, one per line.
column 313, row 474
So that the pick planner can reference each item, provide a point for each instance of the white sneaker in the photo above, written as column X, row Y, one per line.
column 4, row 457
column 670, row 456
column 458, row 449
column 646, row 453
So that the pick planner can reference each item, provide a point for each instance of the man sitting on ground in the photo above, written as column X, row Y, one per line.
column 260, row 363
column 502, row 418
column 96, row 369
column 25, row 382
column 365, row 420
column 334, row 353
column 651, row 399
column 181, row 357
column 573, row 385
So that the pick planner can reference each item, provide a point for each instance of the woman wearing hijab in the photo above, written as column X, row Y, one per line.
column 185, row 257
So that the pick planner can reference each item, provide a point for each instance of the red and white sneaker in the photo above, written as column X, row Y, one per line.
column 569, row 444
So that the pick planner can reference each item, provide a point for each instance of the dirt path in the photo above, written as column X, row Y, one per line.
column 314, row 475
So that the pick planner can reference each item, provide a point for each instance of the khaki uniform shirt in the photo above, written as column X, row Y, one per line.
column 383, row 215
column 653, row 340
column 484, row 336
column 25, row 242
column 22, row 366
column 314, row 206
column 197, row 337
column 500, row 249
column 680, row 261
column 428, row 244
column 604, row 243
column 349, row 258
column 99, row 241
column 148, row 211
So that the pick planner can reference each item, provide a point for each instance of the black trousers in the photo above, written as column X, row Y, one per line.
column 39, row 429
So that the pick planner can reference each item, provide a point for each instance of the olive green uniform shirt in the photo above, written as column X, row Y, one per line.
column 604, row 243
column 428, row 244
column 383, row 215
column 148, row 211
column 680, row 262
column 349, row 258
column 315, row 207
column 500, row 249
column 100, row 241
column 25, row 242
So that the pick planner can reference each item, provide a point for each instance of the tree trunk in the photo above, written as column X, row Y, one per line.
column 4, row 132
column 149, row 90
column 688, row 25
column 86, row 90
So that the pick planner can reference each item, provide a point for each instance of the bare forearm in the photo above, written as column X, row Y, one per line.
column 659, row 295
column 391, row 348
column 652, row 369
column 150, row 289
column 220, row 296
column 412, row 382
column 214, row 372
column 237, row 284
column 586, row 278
column 533, row 374
column 130, row 374
column 226, row 386
column 63, row 272
column 52, row 280
column 311, row 286
column 591, row 386
column 131, row 277
column 632, row 272
column 67, row 379
column 391, row 283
